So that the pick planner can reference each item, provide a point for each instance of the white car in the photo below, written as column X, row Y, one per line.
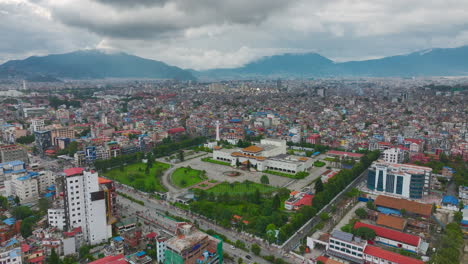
column 233, row 247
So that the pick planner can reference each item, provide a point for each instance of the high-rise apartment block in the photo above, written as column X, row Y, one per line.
column 85, row 205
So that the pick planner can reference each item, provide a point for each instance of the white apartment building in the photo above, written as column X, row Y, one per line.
column 26, row 188
column 160, row 249
column 37, row 125
column 11, row 256
column 85, row 205
column 45, row 179
column 405, row 180
column 394, row 155
column 342, row 245
column 56, row 218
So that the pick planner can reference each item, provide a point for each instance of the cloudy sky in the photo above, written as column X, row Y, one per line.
column 204, row 34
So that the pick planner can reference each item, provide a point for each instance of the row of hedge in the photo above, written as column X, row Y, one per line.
column 131, row 198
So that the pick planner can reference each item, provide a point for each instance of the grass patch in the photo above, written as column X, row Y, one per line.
column 210, row 160
column 184, row 177
column 319, row 163
column 329, row 159
column 135, row 175
column 299, row 175
column 212, row 181
column 240, row 188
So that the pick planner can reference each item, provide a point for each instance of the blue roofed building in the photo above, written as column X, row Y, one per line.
column 10, row 254
column 450, row 202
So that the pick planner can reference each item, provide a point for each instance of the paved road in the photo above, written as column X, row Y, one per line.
column 152, row 205
column 295, row 239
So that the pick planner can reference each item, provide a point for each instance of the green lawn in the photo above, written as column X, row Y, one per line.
column 134, row 175
column 299, row 175
column 240, row 188
column 319, row 163
column 185, row 177
column 210, row 160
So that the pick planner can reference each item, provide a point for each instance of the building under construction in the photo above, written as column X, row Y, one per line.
column 192, row 246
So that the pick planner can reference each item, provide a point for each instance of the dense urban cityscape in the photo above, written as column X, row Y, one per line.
column 233, row 132
column 368, row 170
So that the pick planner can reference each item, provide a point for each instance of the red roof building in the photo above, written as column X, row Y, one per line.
column 118, row 259
column 176, row 130
column 392, row 234
column 73, row 171
column 371, row 252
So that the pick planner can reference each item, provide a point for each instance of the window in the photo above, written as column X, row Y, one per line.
column 380, row 181
column 399, row 185
column 371, row 179
column 390, row 183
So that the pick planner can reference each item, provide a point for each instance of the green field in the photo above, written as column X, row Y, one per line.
column 299, row 175
column 240, row 188
column 319, row 163
column 210, row 160
column 185, row 177
column 134, row 175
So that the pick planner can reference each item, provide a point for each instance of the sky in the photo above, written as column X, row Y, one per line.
column 205, row 34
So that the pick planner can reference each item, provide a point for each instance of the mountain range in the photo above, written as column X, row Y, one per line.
column 434, row 62
column 91, row 64
column 94, row 64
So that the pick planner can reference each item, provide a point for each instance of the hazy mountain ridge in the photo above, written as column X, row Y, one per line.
column 433, row 62
column 93, row 64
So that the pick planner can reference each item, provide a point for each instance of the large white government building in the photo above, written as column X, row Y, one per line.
column 270, row 154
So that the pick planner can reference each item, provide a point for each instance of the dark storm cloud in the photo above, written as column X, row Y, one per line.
column 145, row 19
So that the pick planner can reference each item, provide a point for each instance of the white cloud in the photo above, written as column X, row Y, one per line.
column 227, row 33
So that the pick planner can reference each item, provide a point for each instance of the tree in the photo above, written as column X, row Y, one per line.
column 264, row 179
column 26, row 227
column 271, row 233
column 53, row 258
column 84, row 251
column 370, row 205
column 318, row 186
column 361, row 213
column 25, row 139
column 365, row 233
column 257, row 196
column 324, row 216
column 255, row 249
column 181, row 155
column 43, row 205
column 457, row 217
column 3, row 202
column 276, row 202
column 403, row 211
column 183, row 182
column 17, row 200
column 240, row 261
column 240, row 244
column 21, row 212
column 237, row 162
